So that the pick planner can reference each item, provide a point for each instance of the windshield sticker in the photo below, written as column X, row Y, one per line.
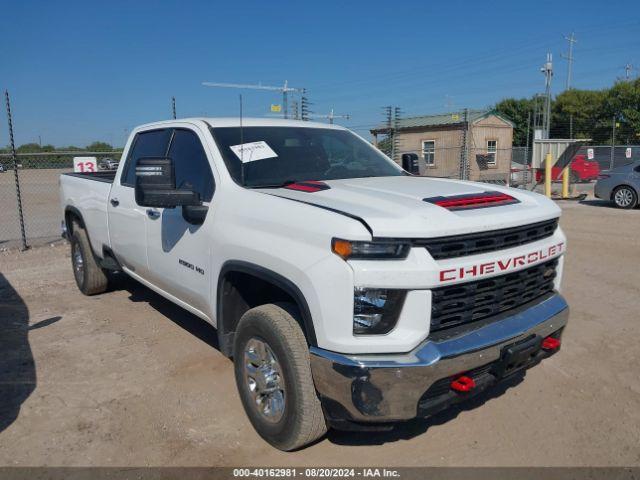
column 250, row 152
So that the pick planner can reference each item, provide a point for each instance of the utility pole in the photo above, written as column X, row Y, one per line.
column 613, row 141
column 527, row 147
column 295, row 113
column 395, row 140
column 464, row 151
column 627, row 71
column 547, row 71
column 304, row 107
column 331, row 116
column 285, row 90
column 569, row 57
column 388, row 122
column 571, row 39
column 173, row 107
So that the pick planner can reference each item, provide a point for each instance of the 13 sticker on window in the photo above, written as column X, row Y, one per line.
column 250, row 152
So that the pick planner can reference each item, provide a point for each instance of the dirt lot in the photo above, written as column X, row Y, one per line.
column 126, row 378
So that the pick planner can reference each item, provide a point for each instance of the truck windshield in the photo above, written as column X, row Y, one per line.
column 275, row 156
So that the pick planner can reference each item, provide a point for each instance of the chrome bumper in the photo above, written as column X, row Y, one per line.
column 388, row 387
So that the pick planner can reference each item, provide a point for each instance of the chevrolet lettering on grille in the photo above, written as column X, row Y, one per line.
column 500, row 265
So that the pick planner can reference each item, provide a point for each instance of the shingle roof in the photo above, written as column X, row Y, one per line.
column 442, row 119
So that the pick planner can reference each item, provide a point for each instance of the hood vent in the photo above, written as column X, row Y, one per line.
column 473, row 200
column 309, row 186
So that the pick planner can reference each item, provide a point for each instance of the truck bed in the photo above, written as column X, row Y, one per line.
column 103, row 176
column 88, row 194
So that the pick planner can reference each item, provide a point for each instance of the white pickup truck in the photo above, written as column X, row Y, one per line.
column 349, row 293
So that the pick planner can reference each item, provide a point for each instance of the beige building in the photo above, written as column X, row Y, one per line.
column 439, row 142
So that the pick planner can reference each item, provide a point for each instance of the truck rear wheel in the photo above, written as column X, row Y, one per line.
column 273, row 375
column 90, row 278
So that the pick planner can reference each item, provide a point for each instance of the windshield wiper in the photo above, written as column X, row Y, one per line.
column 274, row 185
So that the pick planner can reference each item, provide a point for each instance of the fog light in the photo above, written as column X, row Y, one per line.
column 376, row 311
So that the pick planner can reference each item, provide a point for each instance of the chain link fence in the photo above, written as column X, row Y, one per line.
column 38, row 184
column 38, row 175
column 512, row 166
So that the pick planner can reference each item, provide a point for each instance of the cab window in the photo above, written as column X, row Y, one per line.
column 191, row 165
column 153, row 143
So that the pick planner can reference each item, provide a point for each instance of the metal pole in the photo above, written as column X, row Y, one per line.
column 613, row 141
column 547, row 70
column 15, row 173
column 284, row 104
column 284, row 99
column 548, row 162
column 173, row 106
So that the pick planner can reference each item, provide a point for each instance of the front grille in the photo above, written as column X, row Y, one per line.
column 475, row 243
column 473, row 301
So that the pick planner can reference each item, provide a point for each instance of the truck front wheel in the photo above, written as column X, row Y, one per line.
column 273, row 375
column 90, row 278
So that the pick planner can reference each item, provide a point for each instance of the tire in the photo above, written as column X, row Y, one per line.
column 625, row 197
column 289, row 416
column 90, row 278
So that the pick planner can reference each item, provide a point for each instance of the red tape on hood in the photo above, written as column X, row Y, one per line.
column 473, row 200
column 308, row 186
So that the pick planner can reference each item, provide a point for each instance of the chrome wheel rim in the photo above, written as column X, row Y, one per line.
column 263, row 379
column 624, row 197
column 78, row 263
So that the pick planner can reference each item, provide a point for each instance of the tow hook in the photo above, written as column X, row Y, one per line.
column 463, row 384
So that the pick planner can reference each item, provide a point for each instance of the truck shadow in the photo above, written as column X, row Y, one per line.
column 17, row 367
column 413, row 428
column 178, row 315
column 402, row 431
column 597, row 203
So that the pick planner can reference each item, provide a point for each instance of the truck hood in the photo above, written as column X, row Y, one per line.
column 395, row 206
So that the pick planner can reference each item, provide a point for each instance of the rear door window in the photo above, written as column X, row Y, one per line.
column 153, row 143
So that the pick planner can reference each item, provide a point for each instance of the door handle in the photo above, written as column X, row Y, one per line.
column 153, row 213
column 115, row 202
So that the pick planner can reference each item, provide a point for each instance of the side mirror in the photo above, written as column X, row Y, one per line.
column 156, row 185
column 410, row 163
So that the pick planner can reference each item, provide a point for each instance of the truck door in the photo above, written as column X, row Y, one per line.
column 127, row 220
column 178, row 251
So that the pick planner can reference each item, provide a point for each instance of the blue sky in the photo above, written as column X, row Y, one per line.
column 85, row 71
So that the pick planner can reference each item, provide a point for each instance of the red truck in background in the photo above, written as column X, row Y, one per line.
column 582, row 170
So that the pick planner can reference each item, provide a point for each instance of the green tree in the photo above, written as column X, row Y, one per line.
column 99, row 147
column 517, row 110
column 28, row 148
column 580, row 113
column 623, row 103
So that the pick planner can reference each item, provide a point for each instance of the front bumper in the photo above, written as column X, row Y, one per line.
column 388, row 387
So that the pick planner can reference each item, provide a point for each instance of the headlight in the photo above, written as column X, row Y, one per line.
column 376, row 311
column 379, row 250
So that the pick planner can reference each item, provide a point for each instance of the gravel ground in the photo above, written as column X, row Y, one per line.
column 128, row 379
